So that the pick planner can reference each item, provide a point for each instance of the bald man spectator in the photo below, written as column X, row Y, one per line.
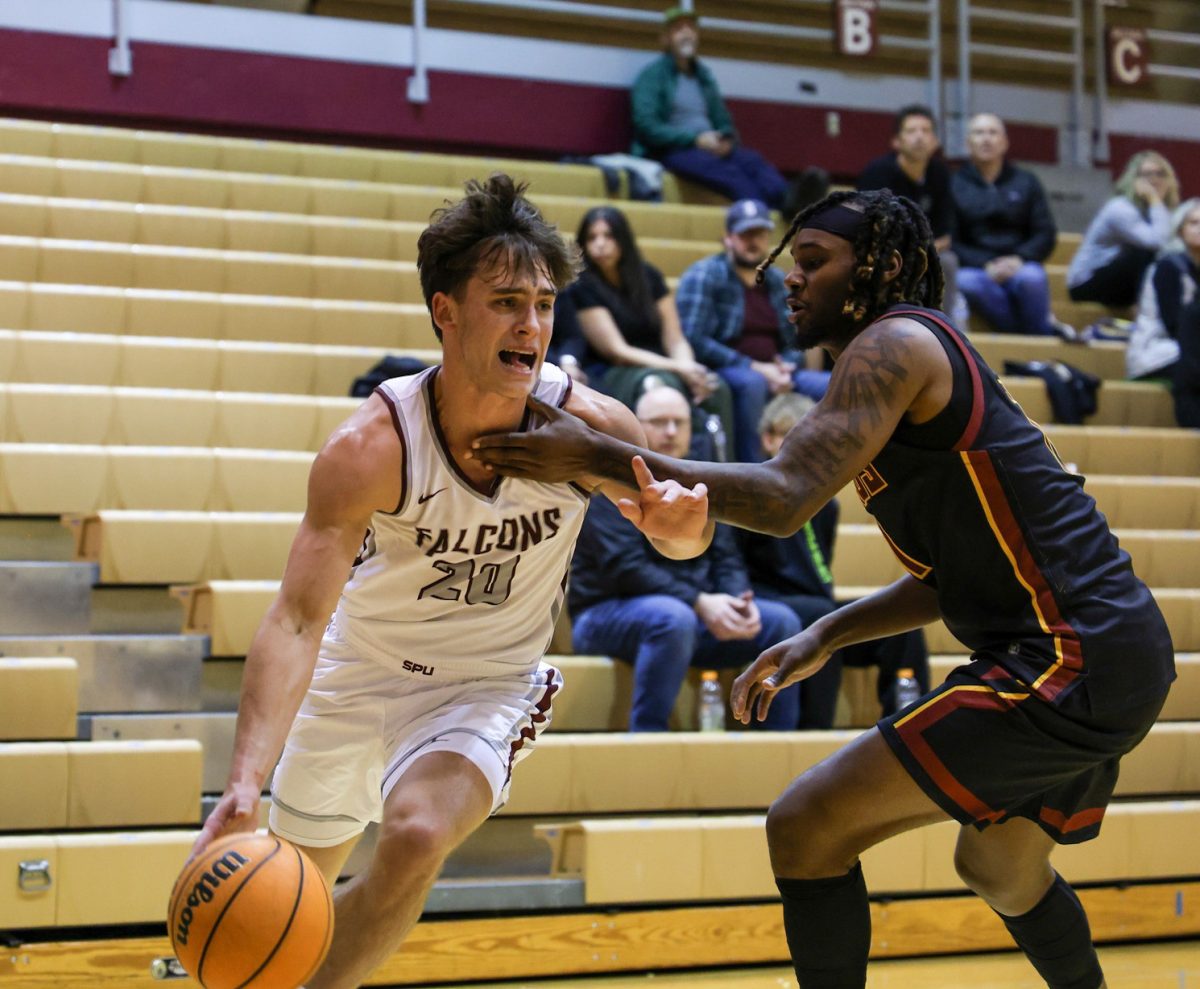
column 680, row 119
column 1004, row 233
column 661, row 615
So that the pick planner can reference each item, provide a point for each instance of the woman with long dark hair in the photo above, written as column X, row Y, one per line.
column 628, row 318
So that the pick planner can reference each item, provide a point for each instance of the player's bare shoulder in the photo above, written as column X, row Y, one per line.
column 359, row 469
column 605, row 414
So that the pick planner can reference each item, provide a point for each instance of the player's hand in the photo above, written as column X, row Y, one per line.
column 237, row 810
column 666, row 510
column 780, row 666
column 559, row 451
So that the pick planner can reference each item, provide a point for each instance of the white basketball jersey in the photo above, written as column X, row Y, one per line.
column 456, row 580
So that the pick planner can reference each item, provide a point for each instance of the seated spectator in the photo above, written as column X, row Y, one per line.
column 913, row 169
column 680, row 119
column 666, row 615
column 796, row 571
column 568, row 348
column 740, row 329
column 1165, row 342
column 1126, row 235
column 1003, row 234
column 629, row 321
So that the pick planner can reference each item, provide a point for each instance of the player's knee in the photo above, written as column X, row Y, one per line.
column 800, row 840
column 979, row 873
column 413, row 842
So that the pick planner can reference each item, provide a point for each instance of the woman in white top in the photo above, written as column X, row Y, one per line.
column 1126, row 235
column 1165, row 342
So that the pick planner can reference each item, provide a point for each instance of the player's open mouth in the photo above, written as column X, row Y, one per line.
column 519, row 360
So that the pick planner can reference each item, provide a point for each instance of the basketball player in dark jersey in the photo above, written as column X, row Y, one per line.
column 1071, row 659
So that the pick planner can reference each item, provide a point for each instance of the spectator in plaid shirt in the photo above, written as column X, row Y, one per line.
column 740, row 329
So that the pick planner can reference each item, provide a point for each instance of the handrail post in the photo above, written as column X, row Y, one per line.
column 418, row 82
column 962, row 110
column 120, row 57
column 1102, row 153
column 1080, row 149
column 935, row 62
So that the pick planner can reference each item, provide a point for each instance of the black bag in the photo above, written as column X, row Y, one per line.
column 1072, row 392
column 389, row 367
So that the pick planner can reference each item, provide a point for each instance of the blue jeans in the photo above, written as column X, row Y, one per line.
column 742, row 174
column 1020, row 305
column 750, row 396
column 661, row 636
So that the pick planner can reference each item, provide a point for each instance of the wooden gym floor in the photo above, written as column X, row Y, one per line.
column 1174, row 965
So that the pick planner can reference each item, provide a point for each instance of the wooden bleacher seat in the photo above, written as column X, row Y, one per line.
column 1163, row 558
column 135, row 547
column 55, row 479
column 86, row 414
column 79, row 865
column 245, row 191
column 40, row 259
column 656, row 860
column 1127, row 502
column 50, row 785
column 39, row 698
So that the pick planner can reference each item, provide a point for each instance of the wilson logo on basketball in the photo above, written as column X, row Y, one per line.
column 202, row 892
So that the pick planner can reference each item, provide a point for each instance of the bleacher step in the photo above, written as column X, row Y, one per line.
column 33, row 538
column 124, row 672
column 44, row 598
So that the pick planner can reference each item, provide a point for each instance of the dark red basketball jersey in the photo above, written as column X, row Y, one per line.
column 976, row 504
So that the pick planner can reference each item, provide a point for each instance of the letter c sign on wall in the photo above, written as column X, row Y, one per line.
column 854, row 30
column 1128, row 56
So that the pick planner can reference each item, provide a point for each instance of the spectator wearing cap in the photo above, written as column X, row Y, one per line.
column 680, row 119
column 739, row 328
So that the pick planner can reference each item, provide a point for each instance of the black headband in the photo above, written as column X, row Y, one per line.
column 840, row 220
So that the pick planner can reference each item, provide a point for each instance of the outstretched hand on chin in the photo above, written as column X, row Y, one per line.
column 560, row 451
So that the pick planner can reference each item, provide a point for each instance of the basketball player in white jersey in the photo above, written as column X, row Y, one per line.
column 411, row 705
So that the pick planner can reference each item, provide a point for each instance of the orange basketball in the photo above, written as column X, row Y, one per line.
column 253, row 912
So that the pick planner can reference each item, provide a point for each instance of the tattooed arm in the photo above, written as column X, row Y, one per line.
column 892, row 369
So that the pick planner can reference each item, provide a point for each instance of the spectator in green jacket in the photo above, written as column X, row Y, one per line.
column 680, row 119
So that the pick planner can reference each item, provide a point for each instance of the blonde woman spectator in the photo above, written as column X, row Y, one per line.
column 1126, row 235
column 1165, row 342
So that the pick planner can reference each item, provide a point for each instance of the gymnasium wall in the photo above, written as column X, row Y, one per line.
column 225, row 69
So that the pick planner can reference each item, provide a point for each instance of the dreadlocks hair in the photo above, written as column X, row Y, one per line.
column 493, row 222
column 893, row 223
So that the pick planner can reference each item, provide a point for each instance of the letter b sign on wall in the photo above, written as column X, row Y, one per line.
column 854, row 26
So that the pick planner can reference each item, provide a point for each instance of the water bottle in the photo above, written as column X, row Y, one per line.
column 905, row 690
column 710, row 704
column 716, row 432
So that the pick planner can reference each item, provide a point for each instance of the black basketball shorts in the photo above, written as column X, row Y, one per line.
column 985, row 749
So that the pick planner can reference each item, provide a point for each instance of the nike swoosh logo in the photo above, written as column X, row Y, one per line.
column 421, row 499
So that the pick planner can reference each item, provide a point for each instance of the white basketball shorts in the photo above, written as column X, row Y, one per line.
column 361, row 726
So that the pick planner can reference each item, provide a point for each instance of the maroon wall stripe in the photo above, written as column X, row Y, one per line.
column 61, row 76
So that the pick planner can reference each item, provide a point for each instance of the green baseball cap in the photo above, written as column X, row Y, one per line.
column 674, row 14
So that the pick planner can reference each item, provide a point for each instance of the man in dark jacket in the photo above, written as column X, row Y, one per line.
column 680, row 119
column 665, row 615
column 1004, row 234
column 913, row 169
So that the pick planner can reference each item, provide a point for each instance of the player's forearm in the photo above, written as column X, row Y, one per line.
column 751, row 496
column 900, row 607
column 277, row 674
